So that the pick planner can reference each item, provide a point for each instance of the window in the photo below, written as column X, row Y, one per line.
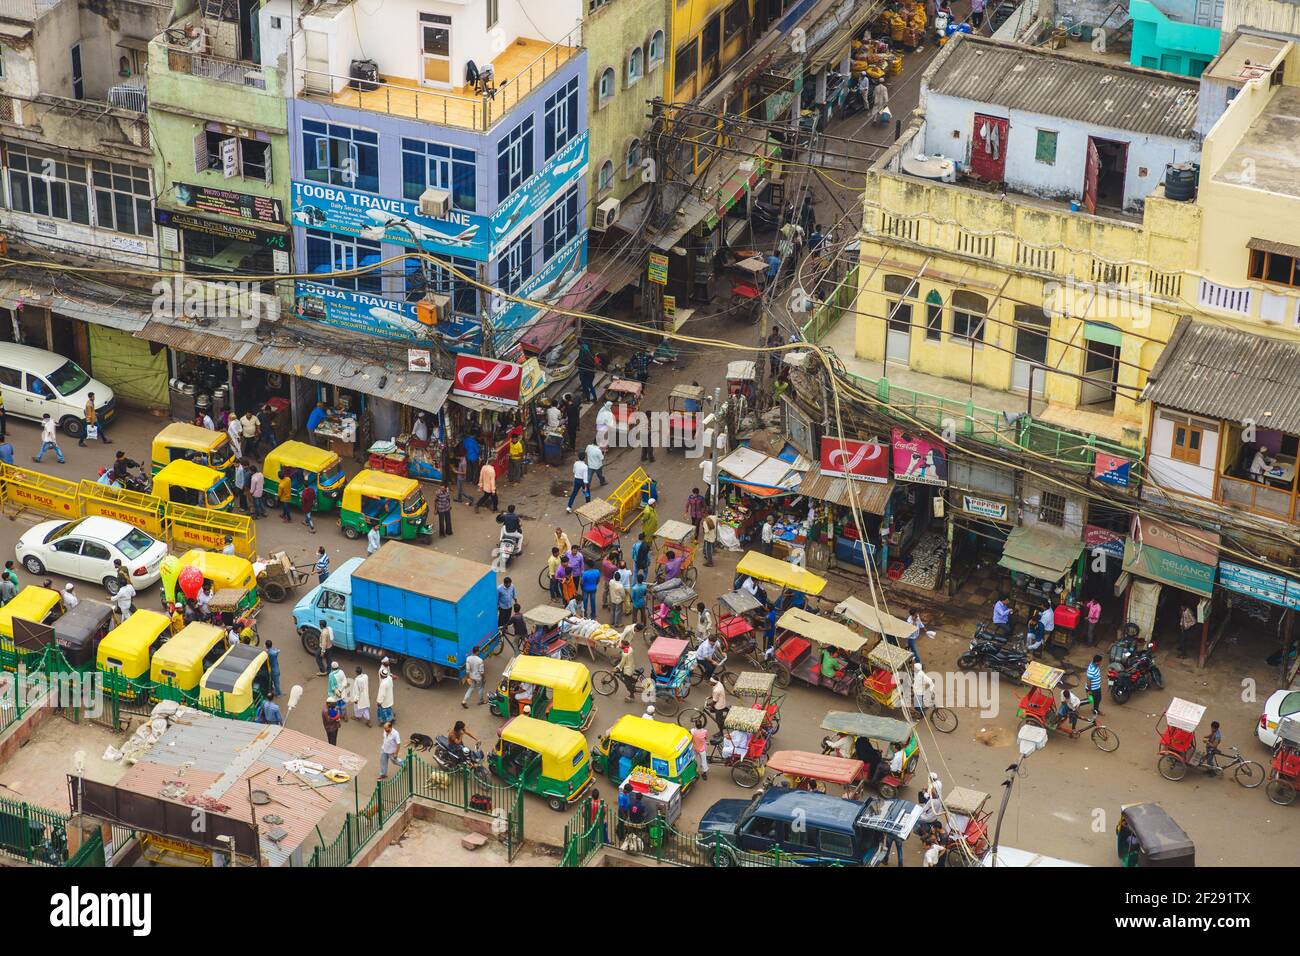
column 11, row 377
column 1045, row 147
column 1051, row 509
column 934, row 316
column 836, row 844
column 561, row 118
column 1275, row 267
column 44, row 185
column 1186, row 443
column 464, row 296
column 435, row 166
column 594, row 5
column 711, row 40
column 122, row 198
column 328, row 253
column 97, row 551
column 606, row 89
column 78, row 80
column 685, row 64
column 340, row 155
column 968, row 314
column 252, row 157
column 606, row 181
column 559, row 223
column 493, row 13
column 516, row 264
column 635, row 65
column 656, row 48
column 633, row 156
column 514, row 159
column 1032, row 327
column 737, row 17
column 2, row 63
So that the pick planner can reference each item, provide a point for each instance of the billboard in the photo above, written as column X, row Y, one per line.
column 376, row 315
column 489, row 380
column 547, row 284
column 919, row 459
column 522, row 206
column 349, row 212
column 864, row 461
column 1112, row 470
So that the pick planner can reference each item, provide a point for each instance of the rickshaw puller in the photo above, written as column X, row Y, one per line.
column 1069, row 708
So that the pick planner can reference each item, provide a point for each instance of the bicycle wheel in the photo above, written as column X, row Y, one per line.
column 688, row 717
column 1107, row 740
column 1171, row 768
column 728, row 680
column 544, row 579
column 943, row 720
column 745, row 775
column 782, row 780
column 866, row 703
column 690, row 576
column 667, row 706
column 775, row 726
column 1249, row 774
column 1280, row 792
column 782, row 676
column 605, row 682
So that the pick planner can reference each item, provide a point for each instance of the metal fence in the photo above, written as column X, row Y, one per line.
column 832, row 310
column 582, row 836
column 33, row 833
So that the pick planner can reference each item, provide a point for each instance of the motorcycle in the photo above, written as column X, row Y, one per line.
column 138, row 481
column 1137, row 671
column 454, row 758
column 509, row 544
column 996, row 654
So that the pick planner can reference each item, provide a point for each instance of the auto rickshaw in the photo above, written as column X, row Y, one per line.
column 184, row 442
column 393, row 501
column 879, row 731
column 685, row 402
column 1038, row 707
column 1147, row 836
column 544, row 758
column 637, row 742
column 1285, row 764
column 36, row 604
column 558, row 692
column 321, row 469
column 79, row 631
column 678, row 538
column 236, row 683
column 803, row 770
column 807, row 645
column 227, row 572
column 187, row 483
column 794, row 584
column 124, row 655
column 179, row 665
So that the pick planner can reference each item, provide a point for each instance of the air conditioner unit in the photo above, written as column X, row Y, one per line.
column 433, row 309
column 606, row 215
column 435, row 203
column 258, row 307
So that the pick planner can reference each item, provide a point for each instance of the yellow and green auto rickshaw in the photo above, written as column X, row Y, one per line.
column 227, row 572
column 183, row 442
column 187, row 483
column 553, row 690
column 36, row 604
column 308, row 465
column 234, row 684
column 639, row 742
column 124, row 655
column 393, row 501
column 544, row 758
column 178, row 666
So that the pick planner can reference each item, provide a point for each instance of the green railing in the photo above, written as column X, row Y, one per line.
column 32, row 833
column 665, row 844
column 463, row 789
column 832, row 310
column 581, row 838
column 91, row 852
column 141, row 694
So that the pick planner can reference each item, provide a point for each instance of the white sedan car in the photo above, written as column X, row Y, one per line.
column 1283, row 703
column 86, row 548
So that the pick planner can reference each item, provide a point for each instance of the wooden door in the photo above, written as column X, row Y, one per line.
column 988, row 154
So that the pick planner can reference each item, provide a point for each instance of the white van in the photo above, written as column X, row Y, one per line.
column 36, row 382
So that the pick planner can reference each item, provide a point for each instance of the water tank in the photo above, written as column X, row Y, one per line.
column 1180, row 181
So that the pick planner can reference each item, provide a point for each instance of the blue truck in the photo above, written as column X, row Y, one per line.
column 424, row 611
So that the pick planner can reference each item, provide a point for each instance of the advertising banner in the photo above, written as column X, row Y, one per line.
column 524, row 205
column 1264, row 585
column 376, row 315
column 225, row 202
column 1112, row 470
column 861, row 460
column 547, row 284
column 919, row 459
column 984, row 507
column 490, row 380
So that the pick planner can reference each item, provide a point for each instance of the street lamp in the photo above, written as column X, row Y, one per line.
column 1031, row 739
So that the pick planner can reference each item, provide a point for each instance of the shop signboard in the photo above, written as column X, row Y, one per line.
column 985, row 507
column 350, row 212
column 376, row 315
column 861, row 460
column 546, row 285
column 1112, row 470
column 919, row 459
column 658, row 270
column 489, row 380
column 1154, row 564
column 226, row 202
column 1264, row 585
column 1109, row 542
column 534, row 380
column 222, row 230
column 522, row 207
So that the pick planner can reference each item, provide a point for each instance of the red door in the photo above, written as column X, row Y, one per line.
column 1091, row 169
column 988, row 152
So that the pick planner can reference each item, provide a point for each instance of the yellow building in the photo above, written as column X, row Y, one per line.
column 1043, row 259
column 706, row 36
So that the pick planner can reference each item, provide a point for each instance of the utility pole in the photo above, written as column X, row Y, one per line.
column 720, row 410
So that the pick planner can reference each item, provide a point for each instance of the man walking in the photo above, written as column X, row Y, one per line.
column 442, row 507
column 384, row 696
column 572, row 412
column 241, row 484
column 388, row 750
column 581, row 482
column 487, row 483
column 256, row 489
column 49, row 439
column 1094, row 684
column 590, row 584
column 474, row 668
column 696, row 509
column 361, row 696
column 596, row 464
column 708, row 534
column 338, row 688
column 307, row 499
column 617, row 593
column 248, row 431
column 91, row 420
column 322, row 564
column 284, row 494
column 649, row 522
column 506, row 597
column 324, row 654
column 641, row 555
column 918, row 626
column 273, row 662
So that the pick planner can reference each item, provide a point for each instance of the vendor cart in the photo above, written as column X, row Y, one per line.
column 546, row 637
column 281, row 576
column 232, row 609
column 685, row 402
column 741, row 377
column 625, row 394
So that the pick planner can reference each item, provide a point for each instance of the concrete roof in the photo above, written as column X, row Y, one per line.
column 1049, row 83
column 1246, row 57
column 1266, row 158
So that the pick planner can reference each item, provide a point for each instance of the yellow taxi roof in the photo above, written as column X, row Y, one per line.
column 659, row 735
column 189, row 474
column 31, row 604
column 543, row 736
column 183, row 435
column 141, row 626
column 297, row 454
column 194, row 639
column 776, row 571
column 381, row 483
column 549, row 672
column 215, row 565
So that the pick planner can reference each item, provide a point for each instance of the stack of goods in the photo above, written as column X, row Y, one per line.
column 926, row 563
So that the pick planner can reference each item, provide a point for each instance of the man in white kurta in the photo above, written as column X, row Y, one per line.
column 359, row 694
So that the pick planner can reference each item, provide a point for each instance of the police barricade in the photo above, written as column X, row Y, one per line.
column 627, row 498
column 189, row 527
column 143, row 511
column 37, row 491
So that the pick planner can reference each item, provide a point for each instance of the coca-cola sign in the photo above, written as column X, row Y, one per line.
column 861, row 460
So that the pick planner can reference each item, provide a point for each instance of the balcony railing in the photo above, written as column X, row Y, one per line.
column 218, row 68
column 1259, row 498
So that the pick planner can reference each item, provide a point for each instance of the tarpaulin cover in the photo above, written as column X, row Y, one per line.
column 126, row 366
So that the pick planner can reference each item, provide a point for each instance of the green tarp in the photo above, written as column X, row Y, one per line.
column 1039, row 553
column 126, row 365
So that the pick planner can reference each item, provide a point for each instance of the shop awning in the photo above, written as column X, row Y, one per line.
column 38, row 292
column 1146, row 561
column 343, row 364
column 871, row 496
column 718, row 200
column 767, row 476
column 1040, row 553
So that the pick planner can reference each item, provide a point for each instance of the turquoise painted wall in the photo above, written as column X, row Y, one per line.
column 1160, row 43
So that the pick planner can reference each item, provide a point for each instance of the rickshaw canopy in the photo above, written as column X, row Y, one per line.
column 189, row 474
column 965, row 801
column 131, row 640
column 181, row 658
column 233, row 675
column 674, row 593
column 570, row 680
column 820, row 630
column 687, row 393
column 377, row 484
column 1161, row 838
column 662, row 739
column 860, row 612
column 547, row 615
column 740, row 602
column 190, row 438
column 1042, row 676
column 626, row 385
column 675, row 532
column 223, row 570
column 32, row 603
column 297, row 454
column 562, row 749
column 748, row 720
column 595, row 511
column 667, row 651
column 1184, row 714
column 802, row 763
column 754, row 684
column 1288, row 730
column 760, row 567
column 891, row 657
column 743, row 371
column 872, row 727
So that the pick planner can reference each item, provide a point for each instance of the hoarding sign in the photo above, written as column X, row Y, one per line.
column 490, row 380
column 522, row 207
column 864, row 461
column 1264, row 585
column 984, row 507
column 1112, row 470
column 376, row 315
column 919, row 459
column 226, row 202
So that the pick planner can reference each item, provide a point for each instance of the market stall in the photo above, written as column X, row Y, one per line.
column 846, row 542
column 753, row 486
column 1043, row 565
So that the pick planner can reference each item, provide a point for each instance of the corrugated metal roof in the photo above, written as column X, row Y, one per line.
column 1231, row 375
column 35, row 290
column 1057, row 84
column 872, row 496
column 335, row 367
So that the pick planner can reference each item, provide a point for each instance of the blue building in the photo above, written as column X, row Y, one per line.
column 469, row 145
